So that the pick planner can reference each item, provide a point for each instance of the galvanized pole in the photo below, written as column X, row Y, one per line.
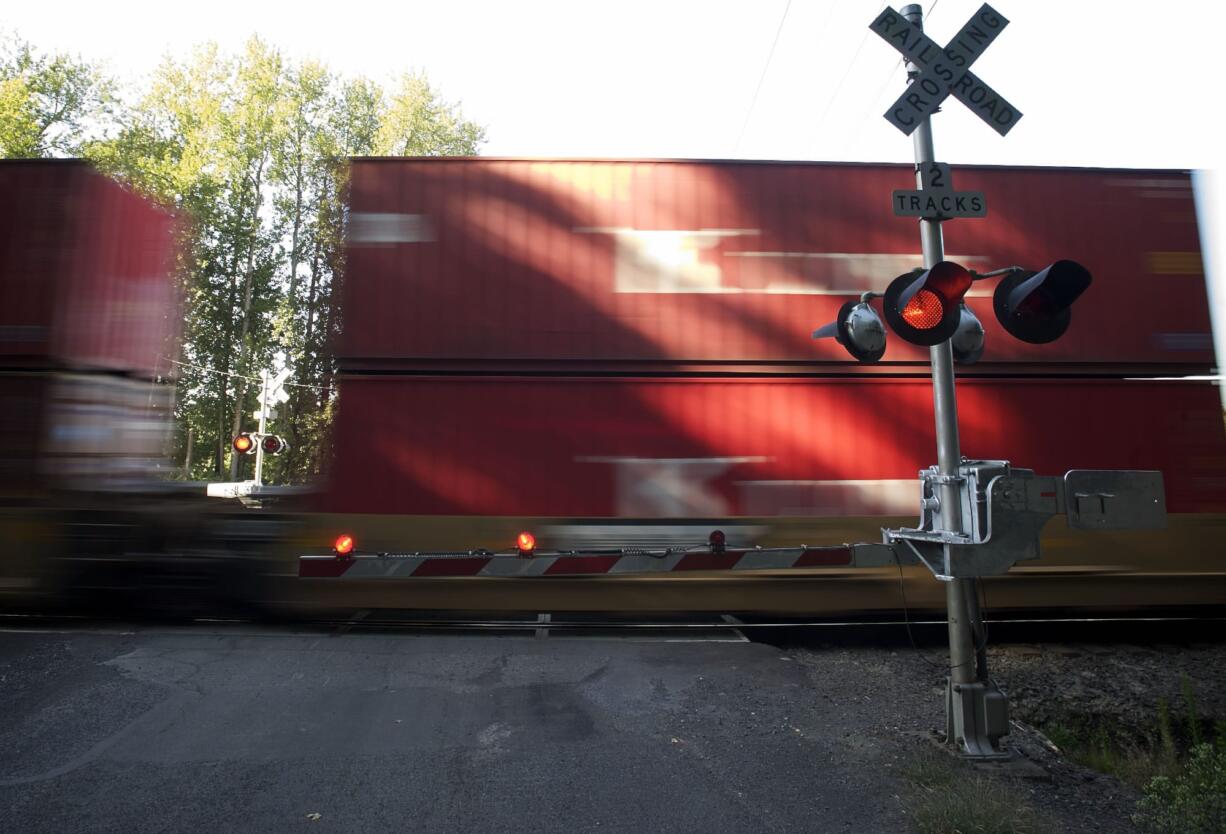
column 259, row 446
column 958, row 592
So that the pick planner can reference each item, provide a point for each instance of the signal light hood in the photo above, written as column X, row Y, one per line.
column 1035, row 306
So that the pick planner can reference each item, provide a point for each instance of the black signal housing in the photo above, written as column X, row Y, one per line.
column 924, row 307
column 1035, row 306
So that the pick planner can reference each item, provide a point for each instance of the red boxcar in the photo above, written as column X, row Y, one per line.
column 84, row 273
column 88, row 319
column 565, row 345
column 482, row 261
column 703, row 448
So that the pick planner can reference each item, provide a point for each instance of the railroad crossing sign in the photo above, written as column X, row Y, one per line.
column 937, row 200
column 272, row 393
column 276, row 388
column 946, row 71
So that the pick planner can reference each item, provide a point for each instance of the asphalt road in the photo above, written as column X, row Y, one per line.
column 275, row 730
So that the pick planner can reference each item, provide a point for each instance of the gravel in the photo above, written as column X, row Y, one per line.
column 896, row 696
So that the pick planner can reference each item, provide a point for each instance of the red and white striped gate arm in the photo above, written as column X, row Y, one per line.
column 356, row 565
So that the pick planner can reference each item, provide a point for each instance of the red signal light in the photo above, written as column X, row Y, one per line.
column 343, row 544
column 273, row 445
column 924, row 308
column 924, row 311
column 717, row 541
column 525, row 543
column 244, row 444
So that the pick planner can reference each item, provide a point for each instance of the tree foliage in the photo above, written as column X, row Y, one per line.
column 250, row 148
column 49, row 104
column 1193, row 801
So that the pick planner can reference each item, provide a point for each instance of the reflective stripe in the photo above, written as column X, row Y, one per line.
column 569, row 564
column 642, row 563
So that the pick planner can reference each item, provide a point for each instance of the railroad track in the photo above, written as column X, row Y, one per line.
column 1172, row 628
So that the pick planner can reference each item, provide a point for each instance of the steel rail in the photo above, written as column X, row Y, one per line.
column 525, row 624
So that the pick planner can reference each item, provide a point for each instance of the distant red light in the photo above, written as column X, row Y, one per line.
column 526, row 542
column 343, row 545
column 243, row 443
column 717, row 540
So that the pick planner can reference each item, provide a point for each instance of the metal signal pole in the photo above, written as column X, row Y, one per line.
column 259, row 447
column 967, row 661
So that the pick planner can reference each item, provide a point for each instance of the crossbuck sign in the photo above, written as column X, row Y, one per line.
column 946, row 71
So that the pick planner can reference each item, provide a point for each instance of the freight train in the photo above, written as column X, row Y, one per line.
column 618, row 353
column 89, row 326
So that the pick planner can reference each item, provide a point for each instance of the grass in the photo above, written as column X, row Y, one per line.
column 1134, row 755
column 947, row 796
column 1108, row 747
column 1178, row 763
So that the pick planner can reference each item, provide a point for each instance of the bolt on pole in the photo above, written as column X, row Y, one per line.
column 964, row 664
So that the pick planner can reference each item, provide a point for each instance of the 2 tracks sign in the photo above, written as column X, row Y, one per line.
column 937, row 200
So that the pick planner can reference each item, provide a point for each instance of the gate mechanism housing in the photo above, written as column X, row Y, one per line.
column 1004, row 508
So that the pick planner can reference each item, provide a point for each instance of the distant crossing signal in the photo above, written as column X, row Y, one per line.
column 273, row 444
column 244, row 444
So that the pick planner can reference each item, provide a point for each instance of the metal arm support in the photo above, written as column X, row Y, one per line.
column 1003, row 509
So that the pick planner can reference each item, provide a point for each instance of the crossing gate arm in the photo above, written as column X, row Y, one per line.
column 597, row 561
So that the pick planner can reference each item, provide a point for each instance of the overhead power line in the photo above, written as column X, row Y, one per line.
column 753, row 102
column 843, row 80
column 855, row 135
column 233, row 375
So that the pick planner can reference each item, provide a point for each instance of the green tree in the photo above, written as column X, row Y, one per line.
column 50, row 105
column 418, row 122
column 251, row 149
column 343, row 119
column 201, row 138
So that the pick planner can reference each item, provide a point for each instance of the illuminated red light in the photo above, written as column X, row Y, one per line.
column 243, row 443
column 526, row 542
column 924, row 311
column 343, row 545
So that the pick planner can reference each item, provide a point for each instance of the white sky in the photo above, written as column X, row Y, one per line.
column 1120, row 84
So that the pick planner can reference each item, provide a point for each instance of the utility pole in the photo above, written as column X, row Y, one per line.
column 977, row 517
column 967, row 657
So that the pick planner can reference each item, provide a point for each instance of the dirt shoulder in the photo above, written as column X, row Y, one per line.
column 892, row 699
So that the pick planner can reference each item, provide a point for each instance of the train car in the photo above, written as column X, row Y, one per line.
column 89, row 323
column 619, row 352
